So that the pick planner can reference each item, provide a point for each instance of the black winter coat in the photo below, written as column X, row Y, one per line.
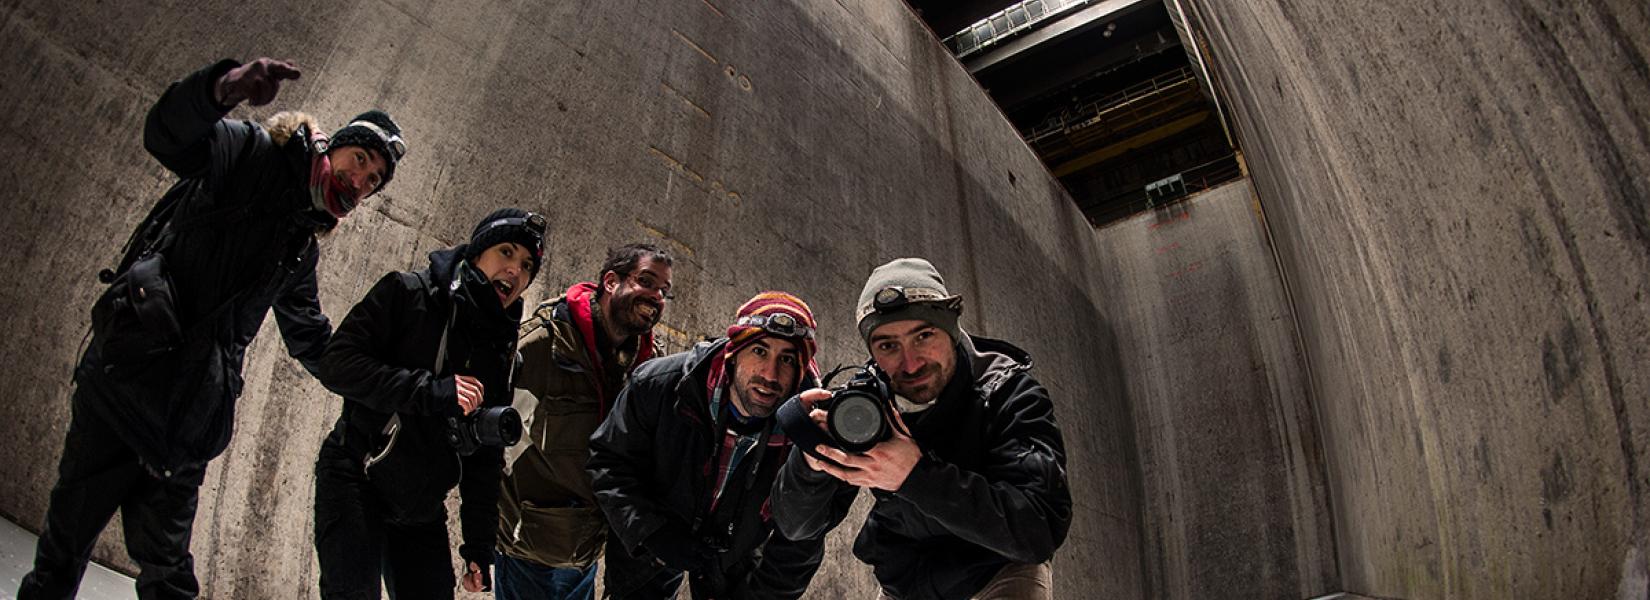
column 990, row 488
column 652, row 463
column 176, row 410
column 381, row 361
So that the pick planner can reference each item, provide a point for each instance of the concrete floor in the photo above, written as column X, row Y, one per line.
column 17, row 557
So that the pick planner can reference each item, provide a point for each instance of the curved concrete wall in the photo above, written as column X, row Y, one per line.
column 770, row 145
column 1460, row 198
column 1233, row 494
column 1456, row 198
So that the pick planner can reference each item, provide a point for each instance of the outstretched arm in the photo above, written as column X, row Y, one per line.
column 185, row 129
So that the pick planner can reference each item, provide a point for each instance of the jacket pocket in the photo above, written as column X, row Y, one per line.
column 563, row 424
column 412, row 470
column 562, row 537
column 135, row 320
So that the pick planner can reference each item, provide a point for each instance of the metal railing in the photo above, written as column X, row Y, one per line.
column 1130, row 103
column 1133, row 198
column 1006, row 23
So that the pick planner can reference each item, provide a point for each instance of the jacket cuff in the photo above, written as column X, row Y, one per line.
column 444, row 397
column 480, row 555
column 204, row 102
column 926, row 483
column 648, row 529
column 797, row 464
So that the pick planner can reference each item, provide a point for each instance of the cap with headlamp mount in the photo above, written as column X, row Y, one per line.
column 907, row 289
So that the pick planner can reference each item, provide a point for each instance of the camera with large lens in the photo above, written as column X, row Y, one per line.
column 493, row 426
column 857, row 414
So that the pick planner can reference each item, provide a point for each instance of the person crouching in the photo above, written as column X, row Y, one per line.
column 424, row 364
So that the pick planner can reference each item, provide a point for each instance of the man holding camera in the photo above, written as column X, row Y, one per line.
column 576, row 352
column 970, row 483
column 684, row 464
column 235, row 236
column 424, row 364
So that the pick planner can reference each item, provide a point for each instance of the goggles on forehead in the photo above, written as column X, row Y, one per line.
column 781, row 324
column 391, row 141
column 894, row 297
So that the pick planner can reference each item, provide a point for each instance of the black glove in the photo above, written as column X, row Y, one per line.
column 256, row 82
column 675, row 546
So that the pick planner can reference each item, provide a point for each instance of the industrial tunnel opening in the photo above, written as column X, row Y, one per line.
column 1111, row 96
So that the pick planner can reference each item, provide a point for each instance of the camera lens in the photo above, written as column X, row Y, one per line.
column 498, row 426
column 856, row 420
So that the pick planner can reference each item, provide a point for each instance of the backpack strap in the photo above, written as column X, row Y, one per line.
column 158, row 227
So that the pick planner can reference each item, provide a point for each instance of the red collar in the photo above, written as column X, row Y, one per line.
column 579, row 298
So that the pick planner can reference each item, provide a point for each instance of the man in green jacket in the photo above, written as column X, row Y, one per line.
column 577, row 351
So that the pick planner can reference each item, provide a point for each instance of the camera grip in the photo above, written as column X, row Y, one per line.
column 793, row 420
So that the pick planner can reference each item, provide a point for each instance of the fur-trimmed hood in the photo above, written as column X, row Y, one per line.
column 283, row 124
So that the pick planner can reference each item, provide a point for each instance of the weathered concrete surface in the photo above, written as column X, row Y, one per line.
column 772, row 144
column 1234, row 500
column 1458, row 193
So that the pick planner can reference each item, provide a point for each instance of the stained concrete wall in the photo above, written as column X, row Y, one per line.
column 1458, row 193
column 1234, row 501
column 770, row 144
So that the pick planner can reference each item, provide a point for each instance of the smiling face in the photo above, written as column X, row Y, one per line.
column 634, row 304
column 509, row 268
column 765, row 374
column 356, row 173
column 917, row 356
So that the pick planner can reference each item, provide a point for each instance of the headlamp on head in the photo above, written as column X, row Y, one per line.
column 781, row 324
column 534, row 224
column 893, row 298
column 396, row 145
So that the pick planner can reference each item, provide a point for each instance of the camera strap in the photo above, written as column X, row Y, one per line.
column 392, row 427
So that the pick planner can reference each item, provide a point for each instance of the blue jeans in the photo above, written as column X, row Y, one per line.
column 516, row 579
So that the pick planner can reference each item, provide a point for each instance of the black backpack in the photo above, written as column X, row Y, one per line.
column 136, row 318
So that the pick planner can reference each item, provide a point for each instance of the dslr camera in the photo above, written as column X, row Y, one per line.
column 858, row 415
column 492, row 426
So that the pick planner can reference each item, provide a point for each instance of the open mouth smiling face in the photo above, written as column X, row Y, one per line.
column 647, row 311
column 505, row 288
column 508, row 269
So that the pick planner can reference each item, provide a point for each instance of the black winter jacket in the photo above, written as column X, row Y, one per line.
column 381, row 361
column 652, row 463
column 990, row 488
column 177, row 410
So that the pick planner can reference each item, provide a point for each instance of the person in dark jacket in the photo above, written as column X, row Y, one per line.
column 683, row 465
column 237, row 233
column 970, row 490
column 576, row 352
column 420, row 352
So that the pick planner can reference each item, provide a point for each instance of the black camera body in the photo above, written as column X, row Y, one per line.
column 493, row 426
column 858, row 415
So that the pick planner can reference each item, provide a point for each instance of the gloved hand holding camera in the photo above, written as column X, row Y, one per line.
column 855, row 435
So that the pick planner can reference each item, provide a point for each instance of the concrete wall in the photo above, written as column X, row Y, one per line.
column 1458, row 193
column 1234, row 501
column 771, row 144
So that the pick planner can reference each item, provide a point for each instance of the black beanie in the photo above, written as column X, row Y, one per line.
column 507, row 225
column 358, row 134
